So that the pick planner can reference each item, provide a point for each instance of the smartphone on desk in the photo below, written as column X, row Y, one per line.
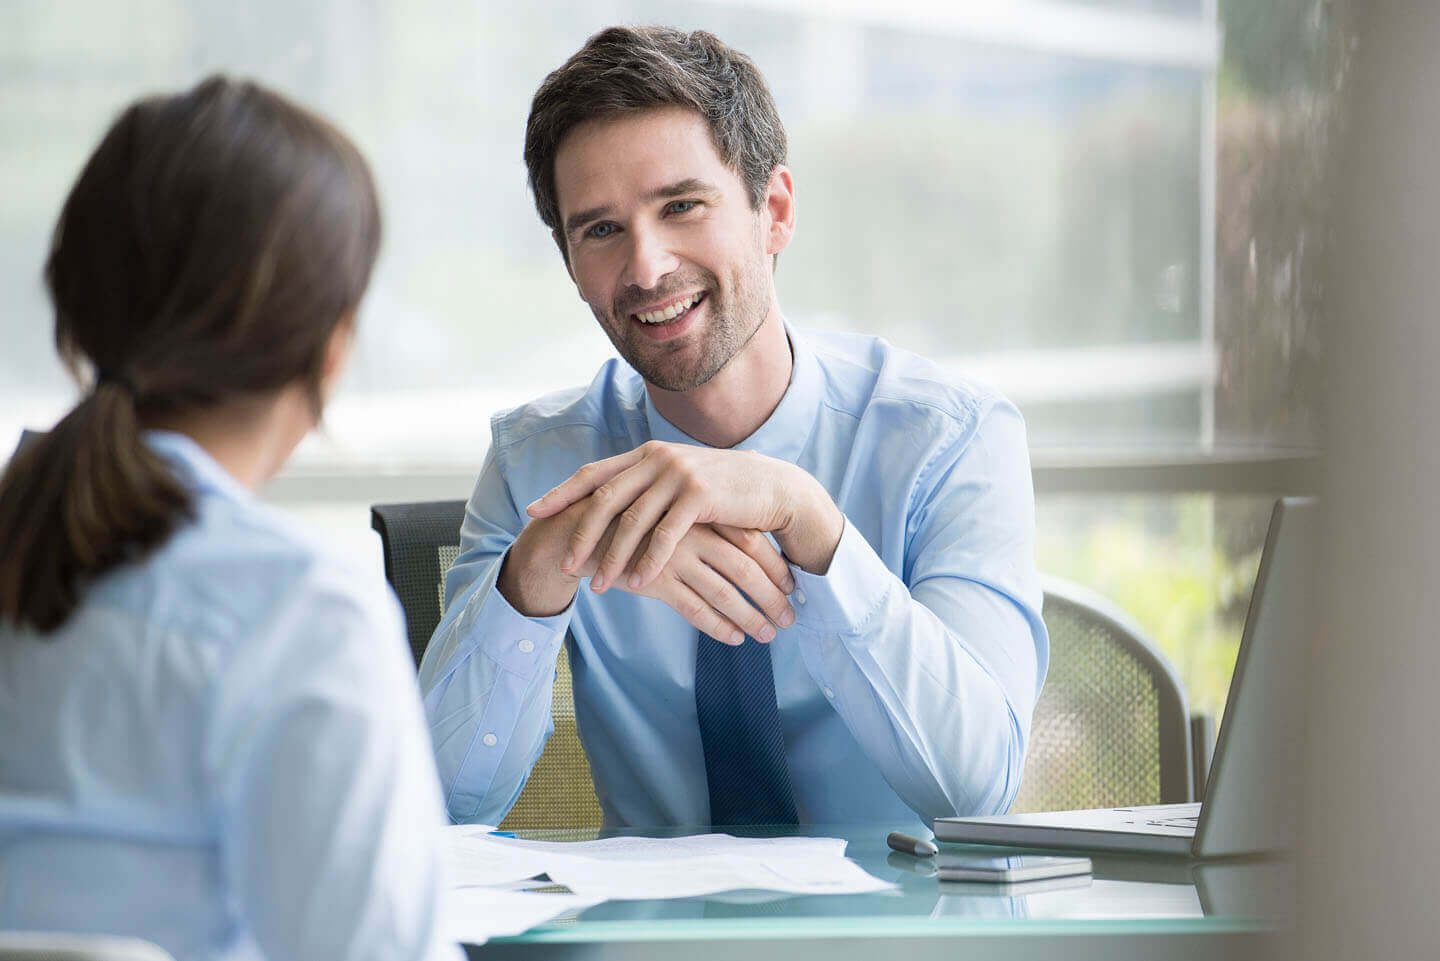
column 1012, row 889
column 1007, row 868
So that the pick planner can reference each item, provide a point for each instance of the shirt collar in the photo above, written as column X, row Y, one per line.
column 787, row 430
column 194, row 465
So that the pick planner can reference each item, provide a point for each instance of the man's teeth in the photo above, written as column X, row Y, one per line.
column 668, row 313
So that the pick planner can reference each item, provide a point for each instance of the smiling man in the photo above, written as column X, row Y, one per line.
column 796, row 569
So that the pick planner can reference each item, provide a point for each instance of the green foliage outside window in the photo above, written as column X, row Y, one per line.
column 1161, row 564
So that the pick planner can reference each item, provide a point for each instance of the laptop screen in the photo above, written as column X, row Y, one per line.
column 1251, row 795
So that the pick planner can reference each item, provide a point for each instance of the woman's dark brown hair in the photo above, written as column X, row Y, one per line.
column 213, row 243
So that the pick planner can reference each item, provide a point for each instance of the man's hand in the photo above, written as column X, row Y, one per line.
column 659, row 491
column 531, row 578
column 700, row 580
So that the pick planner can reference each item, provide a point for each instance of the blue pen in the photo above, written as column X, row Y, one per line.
column 502, row 834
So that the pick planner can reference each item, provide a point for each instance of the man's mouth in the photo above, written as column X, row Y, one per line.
column 671, row 312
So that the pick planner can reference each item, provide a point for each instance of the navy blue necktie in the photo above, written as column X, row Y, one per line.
column 740, row 729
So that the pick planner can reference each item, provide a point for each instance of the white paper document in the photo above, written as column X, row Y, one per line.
column 652, row 849
column 474, row 915
column 712, row 873
column 628, row 868
column 473, row 858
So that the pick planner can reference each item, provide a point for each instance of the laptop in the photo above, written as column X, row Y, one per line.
column 1249, row 804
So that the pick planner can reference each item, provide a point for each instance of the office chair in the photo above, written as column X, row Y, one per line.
column 1110, row 728
column 420, row 541
column 55, row 946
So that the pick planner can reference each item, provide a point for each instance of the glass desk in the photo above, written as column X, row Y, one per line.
column 1132, row 907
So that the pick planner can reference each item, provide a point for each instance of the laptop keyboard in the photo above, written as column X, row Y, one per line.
column 1163, row 815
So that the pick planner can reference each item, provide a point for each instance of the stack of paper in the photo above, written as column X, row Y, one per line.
column 485, row 870
column 474, row 915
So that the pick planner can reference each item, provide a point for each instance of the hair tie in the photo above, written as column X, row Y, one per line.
column 104, row 375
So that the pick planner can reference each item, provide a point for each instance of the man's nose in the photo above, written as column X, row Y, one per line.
column 650, row 259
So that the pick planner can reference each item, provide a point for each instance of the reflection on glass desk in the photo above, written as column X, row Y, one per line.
column 1148, row 907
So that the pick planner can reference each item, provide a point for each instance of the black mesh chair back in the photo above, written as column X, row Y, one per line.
column 420, row 542
column 1111, row 727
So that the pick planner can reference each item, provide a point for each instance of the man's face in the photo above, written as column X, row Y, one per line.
column 663, row 244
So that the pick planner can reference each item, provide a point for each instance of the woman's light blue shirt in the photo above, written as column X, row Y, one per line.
column 222, row 750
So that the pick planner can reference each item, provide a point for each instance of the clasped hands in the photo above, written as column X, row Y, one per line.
column 682, row 524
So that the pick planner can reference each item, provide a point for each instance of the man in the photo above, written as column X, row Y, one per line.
column 897, row 679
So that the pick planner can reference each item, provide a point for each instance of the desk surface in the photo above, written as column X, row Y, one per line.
column 1133, row 907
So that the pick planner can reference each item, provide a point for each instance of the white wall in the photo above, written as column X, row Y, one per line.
column 1372, row 855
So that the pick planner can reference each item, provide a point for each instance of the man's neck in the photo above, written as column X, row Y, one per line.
column 736, row 401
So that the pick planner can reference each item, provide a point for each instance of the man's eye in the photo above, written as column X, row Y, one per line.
column 601, row 230
column 681, row 206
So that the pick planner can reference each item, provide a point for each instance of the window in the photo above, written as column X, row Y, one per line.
column 1099, row 207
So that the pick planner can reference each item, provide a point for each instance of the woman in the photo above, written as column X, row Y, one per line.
column 209, row 729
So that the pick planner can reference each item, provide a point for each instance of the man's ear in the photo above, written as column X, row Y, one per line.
column 559, row 239
column 779, row 210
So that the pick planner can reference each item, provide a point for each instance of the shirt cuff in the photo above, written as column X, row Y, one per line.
column 848, row 594
column 518, row 644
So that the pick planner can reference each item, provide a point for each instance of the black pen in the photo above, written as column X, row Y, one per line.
column 905, row 844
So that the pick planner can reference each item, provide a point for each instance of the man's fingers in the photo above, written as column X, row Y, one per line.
column 664, row 538
column 583, row 482
column 691, row 606
column 721, row 595
column 601, row 546
column 606, row 503
column 633, row 526
column 738, row 568
column 762, row 552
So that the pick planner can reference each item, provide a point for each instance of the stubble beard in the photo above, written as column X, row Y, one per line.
column 731, row 325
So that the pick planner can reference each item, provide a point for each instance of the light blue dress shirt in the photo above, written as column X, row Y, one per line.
column 907, row 682
column 222, row 751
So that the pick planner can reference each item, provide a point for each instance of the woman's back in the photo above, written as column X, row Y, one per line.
column 219, row 738
column 210, row 730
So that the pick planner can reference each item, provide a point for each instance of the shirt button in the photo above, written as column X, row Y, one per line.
column 829, row 692
column 799, row 596
column 526, row 645
column 490, row 740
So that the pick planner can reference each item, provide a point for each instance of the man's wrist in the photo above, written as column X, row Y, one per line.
column 534, row 585
column 816, row 524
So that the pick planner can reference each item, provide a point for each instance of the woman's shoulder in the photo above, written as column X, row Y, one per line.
column 240, row 573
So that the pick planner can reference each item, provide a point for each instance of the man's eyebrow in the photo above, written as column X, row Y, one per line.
column 690, row 185
column 577, row 220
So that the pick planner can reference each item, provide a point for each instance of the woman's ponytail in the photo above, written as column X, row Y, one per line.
column 79, row 500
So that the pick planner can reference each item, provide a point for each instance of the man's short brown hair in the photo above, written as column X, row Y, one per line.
column 624, row 70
